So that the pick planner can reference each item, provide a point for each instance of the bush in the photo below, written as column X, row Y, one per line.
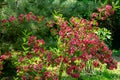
column 78, row 48
column 77, row 45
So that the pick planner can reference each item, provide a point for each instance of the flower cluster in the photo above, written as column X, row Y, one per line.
column 21, row 18
column 103, row 12
column 4, row 57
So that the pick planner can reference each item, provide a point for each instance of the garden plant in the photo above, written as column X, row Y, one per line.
column 49, row 49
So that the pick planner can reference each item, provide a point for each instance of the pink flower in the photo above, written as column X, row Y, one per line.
column 108, row 7
column 94, row 15
column 31, row 40
column 21, row 59
column 21, row 17
column 4, row 21
column 61, row 33
column 96, row 63
column 36, row 50
column 107, row 13
column 35, row 67
column 33, row 17
column 69, row 70
column 5, row 56
column 55, row 78
column 58, row 60
column 83, row 21
column 103, row 18
column 49, row 57
column 82, row 65
column 75, row 75
column 24, row 77
column 28, row 17
column 29, row 55
column 40, row 66
column 100, row 10
column 72, row 20
column 73, row 59
column 26, row 68
column 72, row 50
column 40, row 42
column 12, row 18
column 66, row 60
column 47, row 74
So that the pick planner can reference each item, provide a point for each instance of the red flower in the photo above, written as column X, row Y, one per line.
column 24, row 77
column 35, row 67
column 58, row 60
column 40, row 42
column 31, row 40
column 96, row 63
column 28, row 17
column 49, row 57
column 73, row 59
column 25, row 68
column 47, row 75
column 82, row 65
column 5, row 56
column 94, row 15
column 4, row 21
column 108, row 7
column 66, row 60
column 21, row 59
column 75, row 75
column 12, row 18
column 21, row 17
column 107, row 13
column 100, row 10
column 33, row 17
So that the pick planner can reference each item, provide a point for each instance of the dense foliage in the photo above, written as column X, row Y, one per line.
column 42, row 40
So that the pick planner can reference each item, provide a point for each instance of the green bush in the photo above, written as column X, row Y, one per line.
column 105, row 35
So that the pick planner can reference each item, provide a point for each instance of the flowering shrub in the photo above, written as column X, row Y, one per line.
column 36, row 63
column 103, row 13
column 77, row 44
column 102, row 16
column 14, row 24
column 21, row 18
column 82, row 44
column 12, row 27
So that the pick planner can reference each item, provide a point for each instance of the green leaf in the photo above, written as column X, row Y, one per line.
column 25, row 48
column 108, row 36
column 24, row 40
